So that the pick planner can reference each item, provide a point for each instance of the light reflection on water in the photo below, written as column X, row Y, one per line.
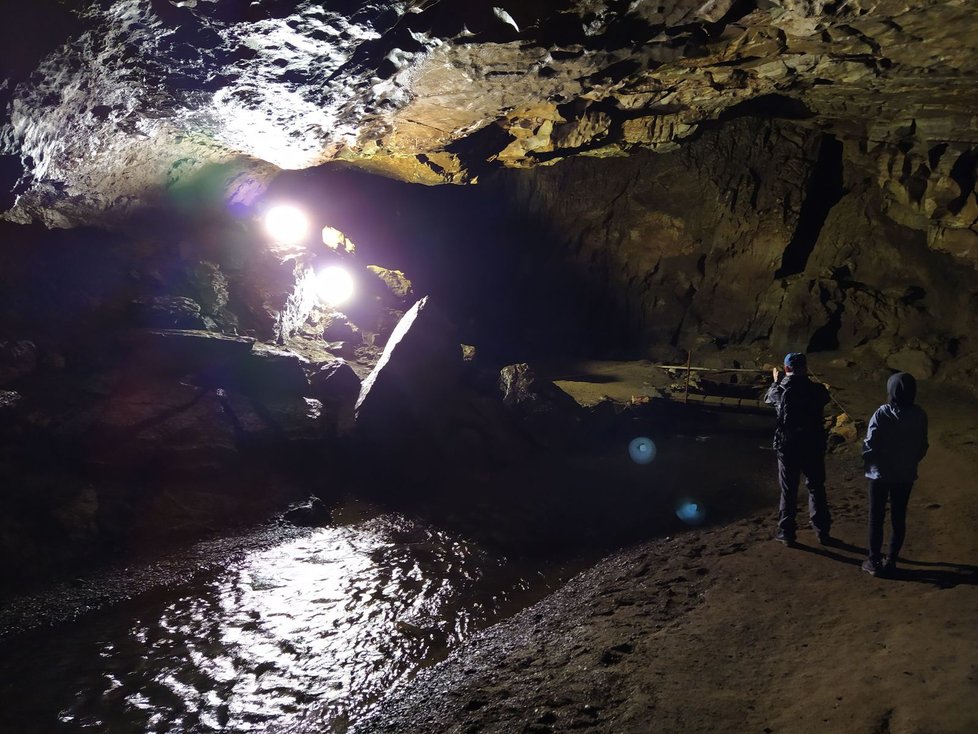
column 312, row 630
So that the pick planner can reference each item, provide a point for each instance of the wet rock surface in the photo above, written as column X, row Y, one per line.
column 147, row 101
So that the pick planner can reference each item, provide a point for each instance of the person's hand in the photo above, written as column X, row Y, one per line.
column 776, row 374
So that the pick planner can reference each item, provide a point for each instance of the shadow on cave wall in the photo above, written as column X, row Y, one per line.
column 824, row 191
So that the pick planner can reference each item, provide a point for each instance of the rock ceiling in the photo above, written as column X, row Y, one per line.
column 112, row 105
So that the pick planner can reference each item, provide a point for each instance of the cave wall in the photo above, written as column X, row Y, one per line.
column 763, row 233
column 675, row 246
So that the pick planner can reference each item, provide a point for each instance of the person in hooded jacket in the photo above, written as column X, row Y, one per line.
column 799, row 440
column 896, row 441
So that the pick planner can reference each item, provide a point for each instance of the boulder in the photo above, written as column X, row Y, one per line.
column 916, row 362
column 313, row 513
column 844, row 430
column 550, row 415
column 406, row 398
column 272, row 421
column 180, row 351
column 217, row 360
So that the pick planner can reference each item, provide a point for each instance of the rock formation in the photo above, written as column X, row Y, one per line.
column 652, row 178
column 113, row 106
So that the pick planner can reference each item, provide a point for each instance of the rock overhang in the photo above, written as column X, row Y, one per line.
column 135, row 101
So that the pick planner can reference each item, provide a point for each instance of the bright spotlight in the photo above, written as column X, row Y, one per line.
column 691, row 512
column 642, row 450
column 286, row 224
column 334, row 285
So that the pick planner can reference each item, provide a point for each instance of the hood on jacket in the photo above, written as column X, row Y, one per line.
column 901, row 389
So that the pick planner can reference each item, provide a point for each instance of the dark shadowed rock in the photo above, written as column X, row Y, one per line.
column 17, row 359
column 403, row 400
column 76, row 515
column 312, row 513
column 174, row 428
column 273, row 420
column 339, row 330
column 217, row 360
column 167, row 312
column 337, row 386
column 180, row 351
column 209, row 287
column 550, row 415
column 271, row 371
column 335, row 381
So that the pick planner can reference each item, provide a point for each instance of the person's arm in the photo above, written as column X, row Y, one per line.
column 773, row 395
column 871, row 442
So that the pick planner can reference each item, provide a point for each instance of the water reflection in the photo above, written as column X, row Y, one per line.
column 312, row 630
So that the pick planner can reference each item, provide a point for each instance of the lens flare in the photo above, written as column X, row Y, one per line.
column 287, row 224
column 642, row 450
column 690, row 512
column 334, row 286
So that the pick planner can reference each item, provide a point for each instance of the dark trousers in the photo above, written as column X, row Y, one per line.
column 898, row 495
column 793, row 461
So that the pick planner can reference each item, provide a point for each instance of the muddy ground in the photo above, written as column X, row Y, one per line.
column 720, row 628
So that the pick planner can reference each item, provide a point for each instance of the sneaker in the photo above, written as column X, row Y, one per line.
column 889, row 564
column 782, row 537
column 824, row 538
column 872, row 567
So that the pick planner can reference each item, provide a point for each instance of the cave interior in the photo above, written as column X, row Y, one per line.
column 519, row 194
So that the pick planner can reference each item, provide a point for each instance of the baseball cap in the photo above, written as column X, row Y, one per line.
column 794, row 360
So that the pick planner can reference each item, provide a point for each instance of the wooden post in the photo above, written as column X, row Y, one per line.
column 689, row 361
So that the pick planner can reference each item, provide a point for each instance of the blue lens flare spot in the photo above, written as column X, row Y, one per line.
column 642, row 450
column 690, row 512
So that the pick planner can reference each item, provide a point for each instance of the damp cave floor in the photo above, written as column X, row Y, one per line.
column 720, row 628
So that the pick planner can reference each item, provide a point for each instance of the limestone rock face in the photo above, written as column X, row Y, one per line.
column 757, row 233
column 114, row 106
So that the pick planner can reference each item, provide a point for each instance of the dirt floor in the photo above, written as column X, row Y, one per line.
column 722, row 629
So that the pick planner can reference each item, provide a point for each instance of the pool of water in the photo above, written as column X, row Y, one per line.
column 315, row 628
column 308, row 629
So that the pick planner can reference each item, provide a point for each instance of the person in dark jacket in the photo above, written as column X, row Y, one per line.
column 896, row 441
column 799, row 440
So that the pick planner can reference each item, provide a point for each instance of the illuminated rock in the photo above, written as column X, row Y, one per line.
column 119, row 105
